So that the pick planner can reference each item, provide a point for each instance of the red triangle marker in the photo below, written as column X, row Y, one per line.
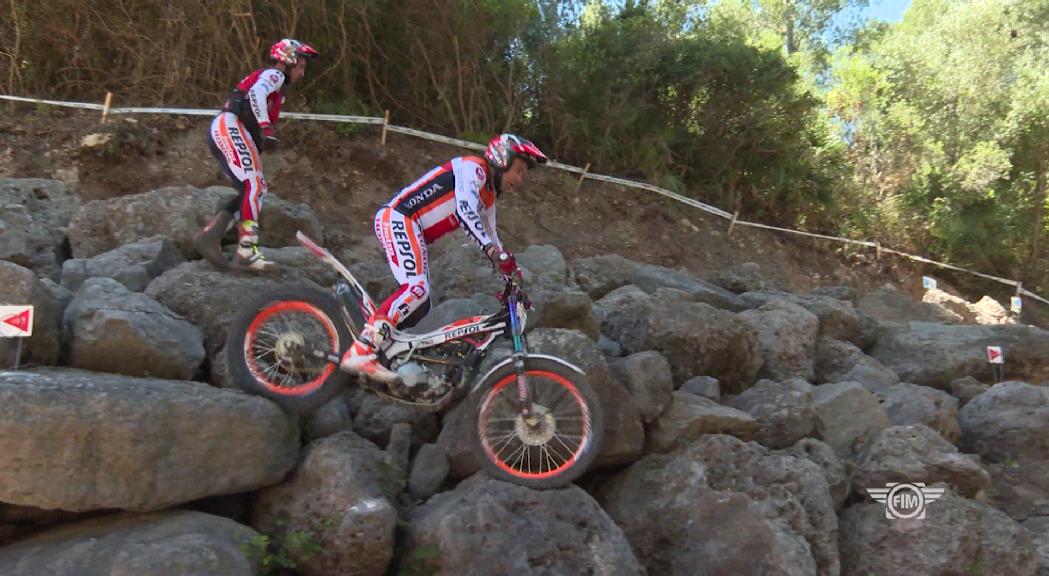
column 20, row 320
column 993, row 354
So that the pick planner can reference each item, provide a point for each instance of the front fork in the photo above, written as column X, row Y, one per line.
column 524, row 394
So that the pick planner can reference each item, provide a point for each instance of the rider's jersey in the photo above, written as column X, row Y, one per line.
column 453, row 195
column 257, row 99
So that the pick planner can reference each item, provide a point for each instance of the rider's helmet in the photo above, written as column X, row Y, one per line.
column 288, row 51
column 504, row 148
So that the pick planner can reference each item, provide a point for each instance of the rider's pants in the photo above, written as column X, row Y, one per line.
column 402, row 238
column 232, row 146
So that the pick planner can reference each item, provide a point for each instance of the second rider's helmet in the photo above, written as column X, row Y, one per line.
column 288, row 51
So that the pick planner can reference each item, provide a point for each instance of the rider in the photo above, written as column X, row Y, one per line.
column 242, row 130
column 459, row 193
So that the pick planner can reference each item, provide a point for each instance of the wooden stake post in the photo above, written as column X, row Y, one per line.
column 385, row 123
column 105, row 107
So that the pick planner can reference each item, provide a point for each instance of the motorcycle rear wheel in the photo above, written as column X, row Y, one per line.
column 269, row 349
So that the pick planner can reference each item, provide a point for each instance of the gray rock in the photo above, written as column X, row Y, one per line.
column 696, row 338
column 1039, row 529
column 488, row 527
column 33, row 216
column 822, row 454
column 563, row 309
column 599, row 275
column 429, row 471
column 703, row 386
column 783, row 411
column 134, row 265
column 20, row 288
column 958, row 536
column 460, row 271
column 340, row 496
column 847, row 416
column 374, row 418
column 910, row 404
column 846, row 293
column 888, row 304
column 953, row 306
column 745, row 277
column 80, row 441
column 646, row 376
column 917, row 454
column 967, row 388
column 457, row 440
column 724, row 506
column 179, row 213
column 787, row 333
column 840, row 361
column 174, row 543
column 936, row 354
column 838, row 318
column 330, row 419
column 609, row 347
column 1008, row 426
column 111, row 329
column 690, row 416
column 547, row 266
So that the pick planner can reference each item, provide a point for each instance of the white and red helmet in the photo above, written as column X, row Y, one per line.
column 289, row 51
column 505, row 147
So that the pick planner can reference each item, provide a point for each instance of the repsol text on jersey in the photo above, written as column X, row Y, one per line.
column 404, row 248
column 242, row 149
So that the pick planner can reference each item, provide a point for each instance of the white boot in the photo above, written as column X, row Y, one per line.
column 361, row 358
column 248, row 256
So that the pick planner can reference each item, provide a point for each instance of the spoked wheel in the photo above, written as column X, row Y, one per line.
column 279, row 348
column 551, row 447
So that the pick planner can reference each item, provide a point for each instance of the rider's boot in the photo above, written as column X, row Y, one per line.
column 248, row 256
column 361, row 357
column 208, row 241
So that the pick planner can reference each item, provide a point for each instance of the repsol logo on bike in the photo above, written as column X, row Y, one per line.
column 419, row 197
column 459, row 332
column 241, row 148
column 404, row 248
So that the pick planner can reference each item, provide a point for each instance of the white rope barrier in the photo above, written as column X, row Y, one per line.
column 557, row 165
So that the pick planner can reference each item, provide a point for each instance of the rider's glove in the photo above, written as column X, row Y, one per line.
column 506, row 263
column 270, row 143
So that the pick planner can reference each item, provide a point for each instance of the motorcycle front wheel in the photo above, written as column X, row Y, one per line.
column 551, row 448
column 278, row 345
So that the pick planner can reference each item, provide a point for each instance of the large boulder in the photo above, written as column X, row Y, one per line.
column 1008, row 426
column 953, row 306
column 113, row 330
column 783, row 411
column 911, row 404
column 837, row 318
column 787, row 333
column 340, row 496
column 173, row 543
column 917, row 454
column 690, row 416
column 599, row 275
column 178, row 212
column 211, row 298
column 847, row 416
column 21, row 287
column 545, row 267
column 696, row 338
column 133, row 265
column 958, row 536
column 429, row 470
column 488, row 527
column 33, row 218
column 569, row 309
column 79, row 441
column 375, row 418
column 1039, row 528
column 646, row 376
column 936, row 354
column 458, row 271
column 745, row 277
column 889, row 305
column 834, row 472
column 840, row 361
column 724, row 506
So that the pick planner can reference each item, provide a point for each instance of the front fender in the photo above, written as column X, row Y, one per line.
column 510, row 360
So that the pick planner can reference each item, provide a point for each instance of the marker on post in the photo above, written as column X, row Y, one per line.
column 16, row 322
column 996, row 359
column 928, row 283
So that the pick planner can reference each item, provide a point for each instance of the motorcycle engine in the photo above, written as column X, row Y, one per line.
column 418, row 383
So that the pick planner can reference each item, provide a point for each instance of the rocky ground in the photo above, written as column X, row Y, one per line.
column 747, row 408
